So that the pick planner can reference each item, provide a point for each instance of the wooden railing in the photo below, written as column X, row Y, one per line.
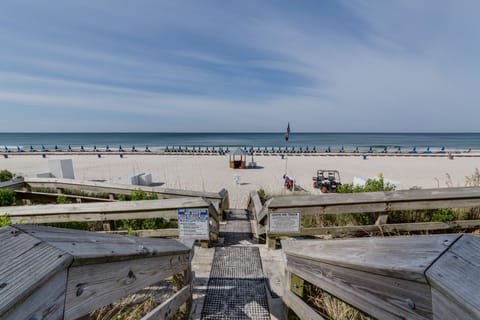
column 52, row 273
column 422, row 277
column 383, row 203
column 220, row 200
column 111, row 211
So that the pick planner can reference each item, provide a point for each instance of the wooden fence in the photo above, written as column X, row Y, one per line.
column 111, row 211
column 52, row 273
column 88, row 191
column 358, row 203
column 422, row 277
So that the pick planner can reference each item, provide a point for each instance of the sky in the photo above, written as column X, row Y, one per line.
column 239, row 66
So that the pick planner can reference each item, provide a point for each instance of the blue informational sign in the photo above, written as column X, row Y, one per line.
column 193, row 224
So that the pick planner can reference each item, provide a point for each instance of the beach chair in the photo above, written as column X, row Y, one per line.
column 147, row 149
column 18, row 149
column 94, row 148
column 120, row 149
column 32, row 150
column 427, row 151
column 107, row 148
column 133, row 149
column 82, row 149
column 356, row 150
column 70, row 148
column 44, row 149
column 6, row 149
column 385, row 150
column 370, row 150
column 328, row 149
column 342, row 150
column 414, row 150
column 442, row 149
column 56, row 148
column 314, row 149
column 399, row 150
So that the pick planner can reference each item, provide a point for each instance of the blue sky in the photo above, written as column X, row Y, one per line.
column 395, row 66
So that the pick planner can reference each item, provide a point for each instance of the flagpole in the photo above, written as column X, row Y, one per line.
column 286, row 143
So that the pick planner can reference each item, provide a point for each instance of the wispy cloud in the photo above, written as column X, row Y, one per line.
column 370, row 65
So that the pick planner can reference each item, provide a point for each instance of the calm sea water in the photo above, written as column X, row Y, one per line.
column 321, row 141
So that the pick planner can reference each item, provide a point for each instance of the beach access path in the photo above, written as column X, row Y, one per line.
column 238, row 279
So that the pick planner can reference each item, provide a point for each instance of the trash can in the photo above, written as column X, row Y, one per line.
column 364, row 157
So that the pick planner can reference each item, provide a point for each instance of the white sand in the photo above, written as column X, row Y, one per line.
column 212, row 173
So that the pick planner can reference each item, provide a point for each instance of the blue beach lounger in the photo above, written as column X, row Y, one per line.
column 370, row 150
column 427, row 150
column 146, row 149
column 107, row 148
column 442, row 150
column 32, row 150
column 70, row 148
column 385, row 150
column 414, row 150
column 6, row 149
column 82, row 148
column 356, row 150
column 399, row 150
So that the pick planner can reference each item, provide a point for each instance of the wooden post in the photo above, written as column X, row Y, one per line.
column 271, row 242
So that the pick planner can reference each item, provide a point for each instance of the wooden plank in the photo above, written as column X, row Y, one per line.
column 14, row 184
column 389, row 228
column 454, row 276
column 166, row 208
column 381, row 296
column 400, row 257
column 92, row 286
column 378, row 198
column 46, row 302
column 106, row 187
column 148, row 233
column 168, row 308
column 301, row 309
column 256, row 203
column 26, row 264
column 92, row 247
column 52, row 197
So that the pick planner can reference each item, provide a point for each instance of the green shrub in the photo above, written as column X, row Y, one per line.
column 371, row 185
column 264, row 197
column 7, row 197
column 6, row 175
column 5, row 220
column 62, row 199
column 142, row 195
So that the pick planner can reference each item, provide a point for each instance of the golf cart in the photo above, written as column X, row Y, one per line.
column 327, row 180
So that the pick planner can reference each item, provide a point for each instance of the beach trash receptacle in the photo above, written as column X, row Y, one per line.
column 236, row 180
column 283, row 156
column 44, row 155
column 364, row 157
column 99, row 155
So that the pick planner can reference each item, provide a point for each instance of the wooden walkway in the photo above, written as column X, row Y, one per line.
column 236, row 289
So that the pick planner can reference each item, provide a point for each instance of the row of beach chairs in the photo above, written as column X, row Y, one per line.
column 225, row 150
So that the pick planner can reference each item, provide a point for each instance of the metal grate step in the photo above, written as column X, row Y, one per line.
column 236, row 299
column 237, row 262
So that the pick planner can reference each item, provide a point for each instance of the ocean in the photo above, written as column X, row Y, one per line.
column 321, row 141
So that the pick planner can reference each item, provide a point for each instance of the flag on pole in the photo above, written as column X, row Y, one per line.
column 287, row 134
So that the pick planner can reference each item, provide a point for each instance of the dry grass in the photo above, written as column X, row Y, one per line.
column 139, row 304
column 330, row 306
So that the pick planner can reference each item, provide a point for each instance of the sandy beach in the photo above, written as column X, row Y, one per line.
column 212, row 172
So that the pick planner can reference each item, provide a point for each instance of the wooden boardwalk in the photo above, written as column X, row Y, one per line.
column 236, row 289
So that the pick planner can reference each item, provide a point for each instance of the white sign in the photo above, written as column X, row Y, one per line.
column 284, row 222
column 193, row 224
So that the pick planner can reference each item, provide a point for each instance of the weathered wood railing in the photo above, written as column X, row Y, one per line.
column 358, row 203
column 220, row 200
column 111, row 211
column 422, row 277
column 52, row 273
